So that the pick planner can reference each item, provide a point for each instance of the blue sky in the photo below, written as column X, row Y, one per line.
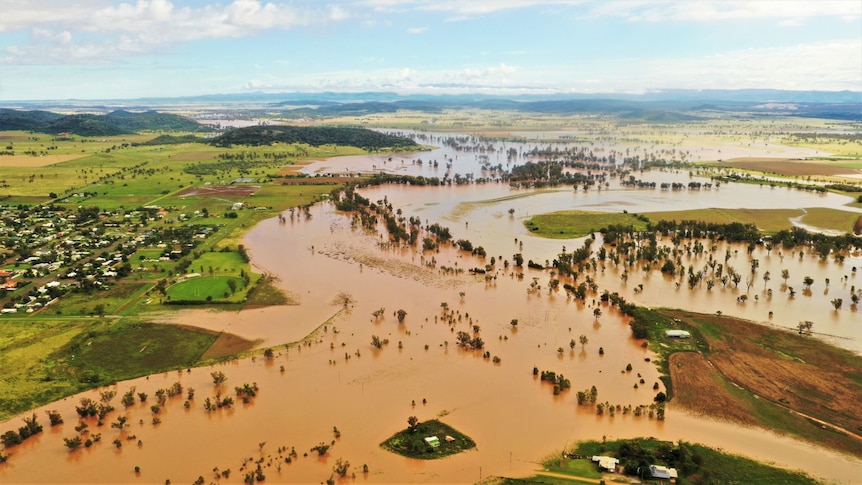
column 103, row 49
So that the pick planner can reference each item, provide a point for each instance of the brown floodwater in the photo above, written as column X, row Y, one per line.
column 337, row 379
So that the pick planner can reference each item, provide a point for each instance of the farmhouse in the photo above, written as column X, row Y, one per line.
column 433, row 441
column 677, row 333
column 606, row 463
column 662, row 472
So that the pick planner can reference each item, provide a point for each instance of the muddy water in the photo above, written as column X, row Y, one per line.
column 338, row 379
column 480, row 213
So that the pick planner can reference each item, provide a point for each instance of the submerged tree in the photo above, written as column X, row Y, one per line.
column 344, row 299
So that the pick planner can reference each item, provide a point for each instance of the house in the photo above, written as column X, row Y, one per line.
column 662, row 472
column 433, row 441
column 449, row 439
column 606, row 463
column 677, row 333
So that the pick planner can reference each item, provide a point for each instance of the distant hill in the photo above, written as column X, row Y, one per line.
column 114, row 123
column 12, row 119
column 654, row 106
column 314, row 136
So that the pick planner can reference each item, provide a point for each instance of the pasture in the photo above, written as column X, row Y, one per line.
column 204, row 289
column 571, row 224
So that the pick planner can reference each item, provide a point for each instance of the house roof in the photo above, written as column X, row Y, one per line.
column 658, row 471
column 677, row 333
column 606, row 462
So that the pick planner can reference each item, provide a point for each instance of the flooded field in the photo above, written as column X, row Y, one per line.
column 337, row 379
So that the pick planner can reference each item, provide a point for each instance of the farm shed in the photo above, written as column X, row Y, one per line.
column 677, row 333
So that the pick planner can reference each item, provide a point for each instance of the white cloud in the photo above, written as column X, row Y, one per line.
column 711, row 10
column 417, row 30
column 113, row 29
column 818, row 66
column 636, row 10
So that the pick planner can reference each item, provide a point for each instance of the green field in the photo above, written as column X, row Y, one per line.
column 767, row 220
column 695, row 463
column 46, row 359
column 571, row 224
column 207, row 288
column 67, row 347
column 99, row 302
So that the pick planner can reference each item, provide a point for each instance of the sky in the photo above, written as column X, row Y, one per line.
column 104, row 49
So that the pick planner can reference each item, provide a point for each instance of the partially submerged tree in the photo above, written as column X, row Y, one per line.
column 344, row 299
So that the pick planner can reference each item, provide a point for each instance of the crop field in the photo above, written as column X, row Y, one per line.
column 569, row 224
column 751, row 373
column 833, row 219
column 790, row 167
column 767, row 220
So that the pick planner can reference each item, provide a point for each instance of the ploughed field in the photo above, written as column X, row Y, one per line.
column 754, row 374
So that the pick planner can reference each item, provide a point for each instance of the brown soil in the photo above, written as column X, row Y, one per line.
column 796, row 372
column 787, row 166
column 227, row 345
column 857, row 227
column 297, row 166
column 317, row 180
column 698, row 388
column 219, row 191
column 193, row 156
column 29, row 161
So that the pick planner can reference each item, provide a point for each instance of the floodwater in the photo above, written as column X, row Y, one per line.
column 337, row 379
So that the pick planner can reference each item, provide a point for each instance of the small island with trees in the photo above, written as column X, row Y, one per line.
column 428, row 440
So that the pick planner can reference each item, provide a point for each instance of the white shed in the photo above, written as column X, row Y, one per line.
column 677, row 333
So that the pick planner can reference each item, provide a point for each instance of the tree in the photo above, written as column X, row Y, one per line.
column 785, row 274
column 10, row 438
column 597, row 313
column 341, row 467
column 808, row 281
column 412, row 422
column 344, row 299
column 766, row 278
column 401, row 314
column 376, row 342
column 54, row 417
column 218, row 377
column 321, row 448
column 804, row 327
column 583, row 339
column 73, row 442
column 837, row 302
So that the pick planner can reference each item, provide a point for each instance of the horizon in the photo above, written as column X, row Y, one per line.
column 108, row 50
